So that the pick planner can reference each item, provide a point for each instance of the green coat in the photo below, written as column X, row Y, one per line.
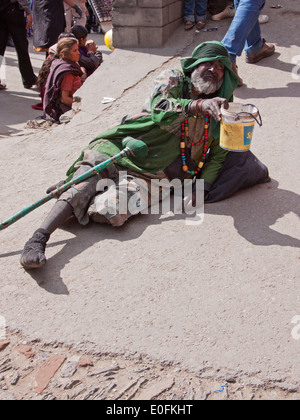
column 159, row 126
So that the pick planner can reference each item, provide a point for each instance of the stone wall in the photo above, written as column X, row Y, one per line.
column 145, row 23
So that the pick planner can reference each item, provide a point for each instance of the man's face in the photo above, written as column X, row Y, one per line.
column 207, row 78
column 82, row 42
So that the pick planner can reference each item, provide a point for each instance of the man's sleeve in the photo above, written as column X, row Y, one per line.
column 166, row 102
column 67, row 82
column 25, row 5
column 92, row 62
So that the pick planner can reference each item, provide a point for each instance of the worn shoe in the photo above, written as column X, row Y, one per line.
column 30, row 84
column 228, row 12
column 2, row 86
column 266, row 51
column 200, row 25
column 188, row 25
column 263, row 19
column 33, row 255
column 235, row 69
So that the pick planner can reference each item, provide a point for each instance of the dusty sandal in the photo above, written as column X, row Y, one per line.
column 200, row 25
column 188, row 25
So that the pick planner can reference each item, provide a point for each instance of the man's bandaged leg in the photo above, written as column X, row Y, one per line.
column 79, row 196
column 119, row 201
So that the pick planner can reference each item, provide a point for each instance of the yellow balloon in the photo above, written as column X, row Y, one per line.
column 108, row 39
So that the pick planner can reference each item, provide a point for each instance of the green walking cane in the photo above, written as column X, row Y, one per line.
column 131, row 146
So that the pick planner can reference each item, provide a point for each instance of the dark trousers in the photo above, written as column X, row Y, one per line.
column 217, row 6
column 240, row 170
column 13, row 22
column 198, row 8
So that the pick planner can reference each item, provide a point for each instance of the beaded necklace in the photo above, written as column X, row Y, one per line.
column 185, row 135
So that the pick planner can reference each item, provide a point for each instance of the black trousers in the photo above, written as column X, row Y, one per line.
column 240, row 170
column 216, row 6
column 13, row 22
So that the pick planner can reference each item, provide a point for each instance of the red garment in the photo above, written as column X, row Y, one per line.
column 71, row 83
column 53, row 108
column 39, row 106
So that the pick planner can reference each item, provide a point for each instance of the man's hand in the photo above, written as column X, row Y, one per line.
column 29, row 22
column 78, row 10
column 213, row 107
column 91, row 46
column 84, row 75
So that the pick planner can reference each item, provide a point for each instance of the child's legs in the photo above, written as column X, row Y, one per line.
column 201, row 10
column 189, row 10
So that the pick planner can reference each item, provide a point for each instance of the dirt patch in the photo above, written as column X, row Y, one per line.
column 32, row 370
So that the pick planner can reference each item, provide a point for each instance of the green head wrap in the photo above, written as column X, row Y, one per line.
column 212, row 51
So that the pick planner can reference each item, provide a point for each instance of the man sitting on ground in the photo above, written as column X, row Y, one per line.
column 90, row 57
column 180, row 125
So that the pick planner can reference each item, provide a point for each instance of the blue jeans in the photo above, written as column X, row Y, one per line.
column 244, row 31
column 195, row 9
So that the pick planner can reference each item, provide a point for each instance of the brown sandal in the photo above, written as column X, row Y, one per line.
column 200, row 25
column 188, row 25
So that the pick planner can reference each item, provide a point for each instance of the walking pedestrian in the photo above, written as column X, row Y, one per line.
column 71, row 14
column 13, row 22
column 244, row 34
column 49, row 22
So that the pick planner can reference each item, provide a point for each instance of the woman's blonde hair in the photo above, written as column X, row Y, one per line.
column 64, row 47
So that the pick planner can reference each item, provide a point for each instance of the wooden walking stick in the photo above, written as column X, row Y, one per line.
column 131, row 146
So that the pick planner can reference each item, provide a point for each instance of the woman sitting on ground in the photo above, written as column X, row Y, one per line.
column 64, row 79
column 45, row 70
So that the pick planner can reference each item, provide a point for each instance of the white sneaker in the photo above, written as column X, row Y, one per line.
column 263, row 19
column 229, row 12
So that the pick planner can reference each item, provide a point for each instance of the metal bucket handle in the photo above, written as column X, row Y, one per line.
column 259, row 122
